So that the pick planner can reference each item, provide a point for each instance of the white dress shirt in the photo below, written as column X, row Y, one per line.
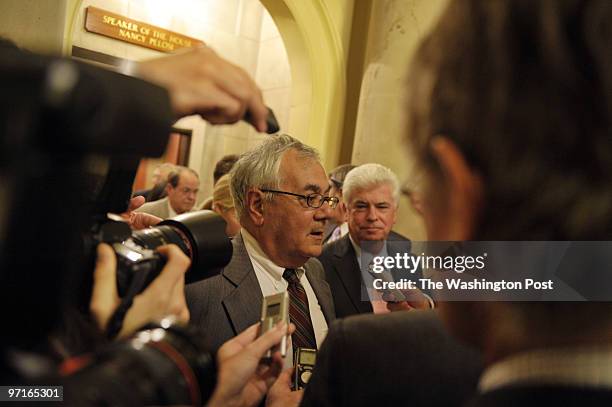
column 271, row 281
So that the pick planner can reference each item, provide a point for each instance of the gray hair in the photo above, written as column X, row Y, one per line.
column 260, row 168
column 369, row 176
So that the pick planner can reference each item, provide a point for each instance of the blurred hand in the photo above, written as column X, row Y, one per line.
column 281, row 395
column 164, row 296
column 412, row 299
column 242, row 378
column 201, row 82
column 139, row 220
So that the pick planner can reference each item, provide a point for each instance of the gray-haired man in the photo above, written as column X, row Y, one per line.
column 280, row 191
column 371, row 195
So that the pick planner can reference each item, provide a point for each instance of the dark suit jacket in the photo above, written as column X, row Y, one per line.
column 227, row 304
column 344, row 276
column 398, row 359
column 539, row 395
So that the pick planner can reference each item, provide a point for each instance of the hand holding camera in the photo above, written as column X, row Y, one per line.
column 165, row 296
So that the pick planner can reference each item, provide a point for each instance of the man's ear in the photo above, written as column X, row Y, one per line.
column 254, row 206
column 465, row 189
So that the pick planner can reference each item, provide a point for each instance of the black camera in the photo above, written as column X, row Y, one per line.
column 200, row 235
column 160, row 365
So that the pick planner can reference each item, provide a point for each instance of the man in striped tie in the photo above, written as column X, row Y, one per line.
column 281, row 195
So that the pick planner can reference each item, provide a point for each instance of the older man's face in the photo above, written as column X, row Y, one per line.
column 296, row 230
column 372, row 213
column 183, row 197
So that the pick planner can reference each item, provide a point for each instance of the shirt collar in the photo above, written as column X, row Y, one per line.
column 585, row 367
column 261, row 260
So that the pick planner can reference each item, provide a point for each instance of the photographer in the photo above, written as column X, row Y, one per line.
column 61, row 110
column 242, row 380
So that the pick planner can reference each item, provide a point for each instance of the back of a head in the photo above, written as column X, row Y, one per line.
column 221, row 193
column 224, row 166
column 338, row 174
column 166, row 169
column 524, row 89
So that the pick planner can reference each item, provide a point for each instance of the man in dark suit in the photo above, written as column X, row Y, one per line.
column 280, row 192
column 371, row 196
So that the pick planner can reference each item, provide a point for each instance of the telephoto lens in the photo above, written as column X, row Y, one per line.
column 200, row 235
column 162, row 365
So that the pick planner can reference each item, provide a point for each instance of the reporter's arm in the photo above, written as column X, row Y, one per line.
column 242, row 380
column 201, row 82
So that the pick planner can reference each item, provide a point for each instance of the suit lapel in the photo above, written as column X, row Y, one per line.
column 347, row 268
column 323, row 294
column 243, row 303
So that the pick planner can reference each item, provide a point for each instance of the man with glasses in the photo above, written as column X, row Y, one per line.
column 281, row 194
column 337, row 226
column 182, row 190
column 371, row 196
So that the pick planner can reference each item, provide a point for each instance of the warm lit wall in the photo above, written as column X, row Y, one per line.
column 395, row 29
column 314, row 33
column 34, row 24
column 239, row 30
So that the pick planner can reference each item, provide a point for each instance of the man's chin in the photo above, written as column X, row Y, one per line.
column 314, row 251
column 373, row 237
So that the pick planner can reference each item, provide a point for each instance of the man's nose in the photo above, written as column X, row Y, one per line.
column 324, row 212
column 372, row 214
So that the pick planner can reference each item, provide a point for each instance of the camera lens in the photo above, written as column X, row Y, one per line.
column 200, row 235
column 160, row 365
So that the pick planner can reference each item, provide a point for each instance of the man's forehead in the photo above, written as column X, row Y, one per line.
column 303, row 173
column 375, row 193
column 188, row 178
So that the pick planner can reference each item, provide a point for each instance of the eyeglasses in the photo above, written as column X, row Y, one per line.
column 313, row 200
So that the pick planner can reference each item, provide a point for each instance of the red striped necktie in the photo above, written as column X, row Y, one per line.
column 299, row 313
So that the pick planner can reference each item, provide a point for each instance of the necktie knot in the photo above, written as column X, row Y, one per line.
column 291, row 276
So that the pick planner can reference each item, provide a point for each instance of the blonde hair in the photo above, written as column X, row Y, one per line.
column 222, row 195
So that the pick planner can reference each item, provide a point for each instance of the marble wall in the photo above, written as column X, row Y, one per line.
column 238, row 30
column 396, row 27
column 34, row 24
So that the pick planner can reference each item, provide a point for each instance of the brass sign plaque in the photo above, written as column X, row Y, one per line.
column 135, row 32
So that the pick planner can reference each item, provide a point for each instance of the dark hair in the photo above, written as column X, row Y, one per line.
column 338, row 174
column 175, row 176
column 524, row 88
column 223, row 166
